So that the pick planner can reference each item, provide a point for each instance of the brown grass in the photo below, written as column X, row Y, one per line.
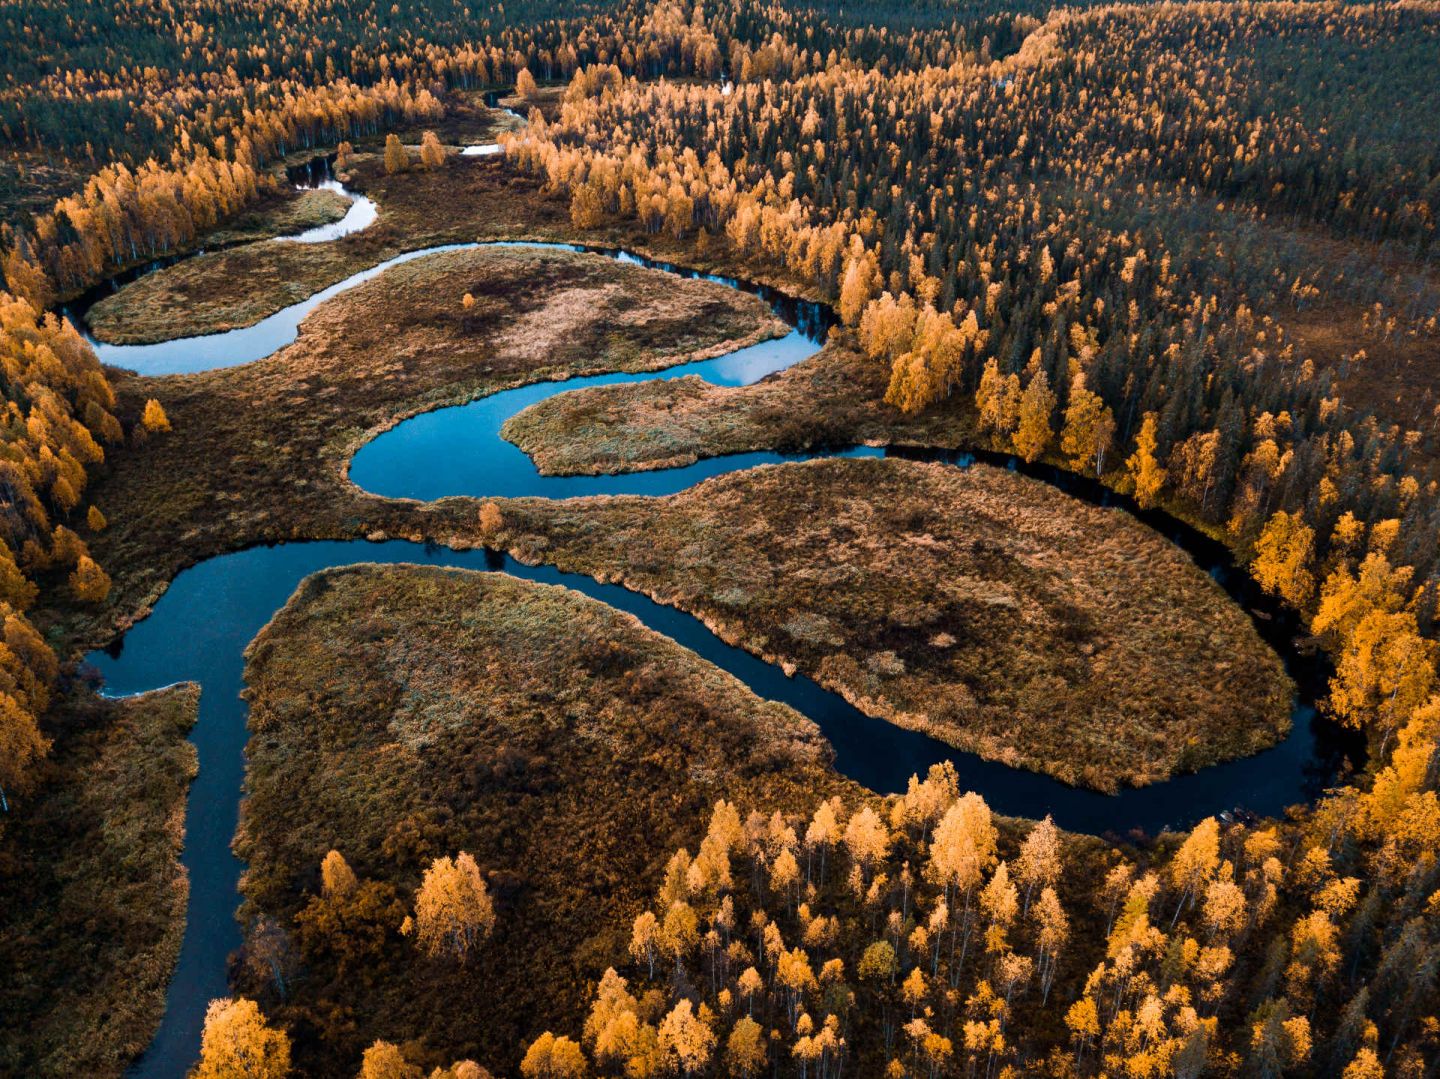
column 465, row 199
column 987, row 609
column 92, row 894
column 286, row 212
column 834, row 398
column 401, row 713
column 259, row 452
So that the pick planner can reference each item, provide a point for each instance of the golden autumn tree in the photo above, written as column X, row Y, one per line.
column 550, row 1057
column 337, row 879
column 998, row 400
column 432, row 153
column 492, row 521
column 1385, row 671
column 453, row 909
column 88, row 581
column 1034, row 431
column 525, row 86
column 22, row 747
column 1038, row 865
column 237, row 1044
column 686, row 1038
column 745, row 1048
column 1146, row 474
column 587, row 208
column 384, row 1060
column 154, row 419
column 95, row 520
column 964, row 845
column 867, row 838
column 397, row 158
column 1052, row 934
column 1283, row 558
column 1195, row 862
column 857, row 286
column 1088, row 428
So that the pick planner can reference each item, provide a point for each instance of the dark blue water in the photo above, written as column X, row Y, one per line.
column 199, row 629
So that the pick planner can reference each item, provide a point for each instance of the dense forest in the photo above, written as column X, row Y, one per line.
column 1087, row 235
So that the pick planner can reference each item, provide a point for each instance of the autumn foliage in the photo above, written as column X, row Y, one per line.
column 238, row 1044
column 59, row 414
column 917, row 936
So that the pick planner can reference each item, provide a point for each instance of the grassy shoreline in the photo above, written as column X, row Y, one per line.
column 93, row 890
column 981, row 607
column 558, row 741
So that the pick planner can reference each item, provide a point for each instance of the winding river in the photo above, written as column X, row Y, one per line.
column 199, row 629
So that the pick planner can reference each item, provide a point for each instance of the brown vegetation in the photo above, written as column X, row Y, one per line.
column 92, row 893
column 467, row 199
column 284, row 213
column 831, row 399
column 565, row 748
column 985, row 608
column 259, row 452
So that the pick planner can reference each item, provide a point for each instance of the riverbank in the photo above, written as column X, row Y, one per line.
column 92, row 887
column 466, row 198
column 833, row 399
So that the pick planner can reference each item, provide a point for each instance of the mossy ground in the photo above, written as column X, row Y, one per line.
column 92, row 893
column 402, row 713
column 987, row 609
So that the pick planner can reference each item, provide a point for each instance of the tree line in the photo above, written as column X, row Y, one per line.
column 59, row 415
column 918, row 935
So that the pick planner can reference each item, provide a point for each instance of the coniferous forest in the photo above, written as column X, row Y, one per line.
column 740, row 538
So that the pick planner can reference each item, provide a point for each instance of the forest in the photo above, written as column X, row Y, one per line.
column 1178, row 258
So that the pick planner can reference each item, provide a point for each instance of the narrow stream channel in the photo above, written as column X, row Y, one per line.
column 316, row 175
column 200, row 627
